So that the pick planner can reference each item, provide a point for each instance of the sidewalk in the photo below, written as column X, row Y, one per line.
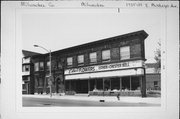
column 149, row 100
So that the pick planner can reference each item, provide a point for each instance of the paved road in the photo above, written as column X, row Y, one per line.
column 46, row 102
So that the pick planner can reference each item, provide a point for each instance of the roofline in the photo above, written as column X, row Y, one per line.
column 34, row 53
column 142, row 32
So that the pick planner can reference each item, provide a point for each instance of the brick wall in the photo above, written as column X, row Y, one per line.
column 135, row 51
column 150, row 78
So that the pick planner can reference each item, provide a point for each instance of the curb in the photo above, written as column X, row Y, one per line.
column 99, row 98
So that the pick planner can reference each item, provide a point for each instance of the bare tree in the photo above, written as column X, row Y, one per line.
column 157, row 57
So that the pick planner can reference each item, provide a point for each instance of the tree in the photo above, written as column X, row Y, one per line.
column 157, row 57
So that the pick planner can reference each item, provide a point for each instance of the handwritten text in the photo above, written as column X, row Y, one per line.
column 86, row 4
column 37, row 4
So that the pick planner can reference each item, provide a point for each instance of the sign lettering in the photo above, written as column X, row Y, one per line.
column 105, row 67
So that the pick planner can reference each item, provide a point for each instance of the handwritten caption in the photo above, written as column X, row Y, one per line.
column 37, row 4
column 151, row 5
column 87, row 4
column 98, row 4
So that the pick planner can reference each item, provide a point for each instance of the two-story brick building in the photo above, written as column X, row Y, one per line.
column 115, row 63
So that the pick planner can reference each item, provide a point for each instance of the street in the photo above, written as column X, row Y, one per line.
column 48, row 102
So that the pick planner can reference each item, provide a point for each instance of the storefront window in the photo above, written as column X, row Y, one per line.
column 125, row 52
column 36, row 66
column 93, row 57
column 41, row 66
column 80, row 59
column 106, row 55
column 69, row 61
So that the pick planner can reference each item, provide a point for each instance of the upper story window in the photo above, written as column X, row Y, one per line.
column 48, row 65
column 41, row 66
column 36, row 66
column 93, row 57
column 136, row 51
column 125, row 52
column 80, row 59
column 26, row 68
column 106, row 55
column 69, row 61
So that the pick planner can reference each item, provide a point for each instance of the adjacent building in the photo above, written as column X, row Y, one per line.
column 27, row 72
column 153, row 77
column 111, row 64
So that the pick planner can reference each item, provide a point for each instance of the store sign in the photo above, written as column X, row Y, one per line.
column 114, row 73
column 105, row 67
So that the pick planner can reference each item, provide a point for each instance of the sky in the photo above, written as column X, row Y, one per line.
column 56, row 31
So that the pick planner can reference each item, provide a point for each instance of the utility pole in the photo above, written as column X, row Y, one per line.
column 50, row 72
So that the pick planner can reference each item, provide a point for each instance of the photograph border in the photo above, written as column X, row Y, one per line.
column 15, row 60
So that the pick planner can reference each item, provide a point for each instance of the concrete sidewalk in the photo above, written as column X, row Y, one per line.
column 148, row 100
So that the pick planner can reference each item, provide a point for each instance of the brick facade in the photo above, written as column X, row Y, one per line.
column 134, row 40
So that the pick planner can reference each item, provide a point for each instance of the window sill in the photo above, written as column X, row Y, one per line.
column 106, row 61
column 80, row 64
column 93, row 63
column 69, row 65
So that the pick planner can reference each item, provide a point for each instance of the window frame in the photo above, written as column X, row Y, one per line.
column 155, row 83
column 68, row 62
column 41, row 67
column 26, row 67
column 90, row 59
column 80, row 63
column 124, row 58
column 36, row 63
column 107, row 59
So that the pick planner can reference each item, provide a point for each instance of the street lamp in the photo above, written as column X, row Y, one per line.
column 50, row 77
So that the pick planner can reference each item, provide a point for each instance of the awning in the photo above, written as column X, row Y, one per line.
column 116, row 73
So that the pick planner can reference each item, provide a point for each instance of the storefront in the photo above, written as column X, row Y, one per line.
column 121, row 76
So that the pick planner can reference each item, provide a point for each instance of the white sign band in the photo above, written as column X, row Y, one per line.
column 116, row 73
column 105, row 67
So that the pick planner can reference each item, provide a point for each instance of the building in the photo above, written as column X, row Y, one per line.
column 27, row 72
column 111, row 64
column 153, row 77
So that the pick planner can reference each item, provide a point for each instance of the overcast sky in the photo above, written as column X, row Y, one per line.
column 57, row 31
